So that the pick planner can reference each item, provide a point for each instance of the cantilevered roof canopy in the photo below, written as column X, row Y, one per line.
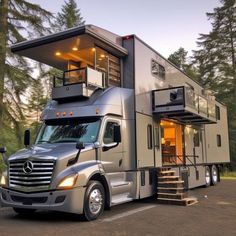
column 44, row 49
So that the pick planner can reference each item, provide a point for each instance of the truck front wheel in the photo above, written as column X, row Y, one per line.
column 23, row 211
column 94, row 200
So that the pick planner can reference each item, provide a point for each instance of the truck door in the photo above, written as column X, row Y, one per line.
column 198, row 145
column 111, row 153
column 157, row 145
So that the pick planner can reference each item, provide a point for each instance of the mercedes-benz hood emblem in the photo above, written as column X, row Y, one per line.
column 28, row 167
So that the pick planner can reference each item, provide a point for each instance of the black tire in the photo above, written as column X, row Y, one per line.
column 23, row 211
column 208, row 176
column 94, row 200
column 214, row 175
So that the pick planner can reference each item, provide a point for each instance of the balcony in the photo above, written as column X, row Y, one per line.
column 79, row 83
column 182, row 104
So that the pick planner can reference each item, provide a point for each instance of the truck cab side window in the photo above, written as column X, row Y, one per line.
column 109, row 132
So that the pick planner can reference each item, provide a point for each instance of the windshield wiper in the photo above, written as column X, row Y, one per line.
column 44, row 141
column 65, row 141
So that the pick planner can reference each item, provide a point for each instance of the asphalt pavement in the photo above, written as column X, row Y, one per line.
column 215, row 214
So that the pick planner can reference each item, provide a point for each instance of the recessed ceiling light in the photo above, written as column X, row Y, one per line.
column 58, row 54
column 75, row 49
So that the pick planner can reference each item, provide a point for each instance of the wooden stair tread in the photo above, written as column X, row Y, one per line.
column 167, row 171
column 184, row 202
column 171, row 194
column 178, row 188
column 172, row 182
column 168, row 177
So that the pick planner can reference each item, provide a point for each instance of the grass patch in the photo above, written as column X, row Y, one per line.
column 228, row 175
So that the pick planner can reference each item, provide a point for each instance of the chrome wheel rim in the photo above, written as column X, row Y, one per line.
column 208, row 178
column 95, row 201
column 214, row 175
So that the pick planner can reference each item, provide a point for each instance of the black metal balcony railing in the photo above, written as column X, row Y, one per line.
column 184, row 104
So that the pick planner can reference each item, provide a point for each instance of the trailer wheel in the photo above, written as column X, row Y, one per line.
column 214, row 175
column 94, row 200
column 208, row 176
column 23, row 211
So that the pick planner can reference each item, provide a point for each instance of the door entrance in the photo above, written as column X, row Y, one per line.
column 172, row 143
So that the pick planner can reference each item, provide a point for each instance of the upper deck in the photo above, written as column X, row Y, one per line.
column 90, row 57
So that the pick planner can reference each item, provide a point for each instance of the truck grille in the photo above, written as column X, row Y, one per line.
column 29, row 174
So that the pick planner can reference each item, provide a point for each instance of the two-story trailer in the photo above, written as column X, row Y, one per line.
column 124, row 123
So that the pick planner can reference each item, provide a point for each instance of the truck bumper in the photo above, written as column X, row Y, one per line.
column 71, row 201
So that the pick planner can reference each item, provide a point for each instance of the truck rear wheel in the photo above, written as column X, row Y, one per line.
column 23, row 211
column 94, row 200
column 208, row 176
column 214, row 175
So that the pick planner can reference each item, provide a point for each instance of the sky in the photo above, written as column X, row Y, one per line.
column 165, row 25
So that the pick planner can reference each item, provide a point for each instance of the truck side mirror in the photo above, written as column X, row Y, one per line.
column 80, row 145
column 27, row 138
column 3, row 150
column 117, row 134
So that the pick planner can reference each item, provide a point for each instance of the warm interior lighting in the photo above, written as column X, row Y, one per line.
column 161, row 124
column 68, row 182
column 58, row 54
column 102, row 56
column 75, row 49
column 93, row 49
column 171, row 123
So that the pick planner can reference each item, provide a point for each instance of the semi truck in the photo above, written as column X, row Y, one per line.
column 123, row 123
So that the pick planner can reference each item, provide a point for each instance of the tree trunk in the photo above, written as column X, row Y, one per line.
column 3, row 42
column 233, row 62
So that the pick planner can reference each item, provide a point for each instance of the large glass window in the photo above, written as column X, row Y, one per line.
column 69, row 130
column 109, row 65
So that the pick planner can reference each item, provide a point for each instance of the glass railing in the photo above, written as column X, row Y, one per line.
column 186, row 97
column 85, row 75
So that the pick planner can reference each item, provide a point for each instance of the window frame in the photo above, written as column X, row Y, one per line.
column 161, row 74
column 218, row 140
column 118, row 122
column 217, row 112
column 149, row 137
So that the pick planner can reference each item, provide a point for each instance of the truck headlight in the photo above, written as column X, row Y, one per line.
column 3, row 181
column 68, row 182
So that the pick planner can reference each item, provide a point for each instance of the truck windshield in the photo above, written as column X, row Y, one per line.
column 69, row 130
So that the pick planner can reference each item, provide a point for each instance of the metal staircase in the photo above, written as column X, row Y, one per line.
column 170, row 189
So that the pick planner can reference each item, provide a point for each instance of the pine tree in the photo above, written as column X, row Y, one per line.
column 37, row 100
column 180, row 59
column 69, row 17
column 19, row 19
column 216, row 61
